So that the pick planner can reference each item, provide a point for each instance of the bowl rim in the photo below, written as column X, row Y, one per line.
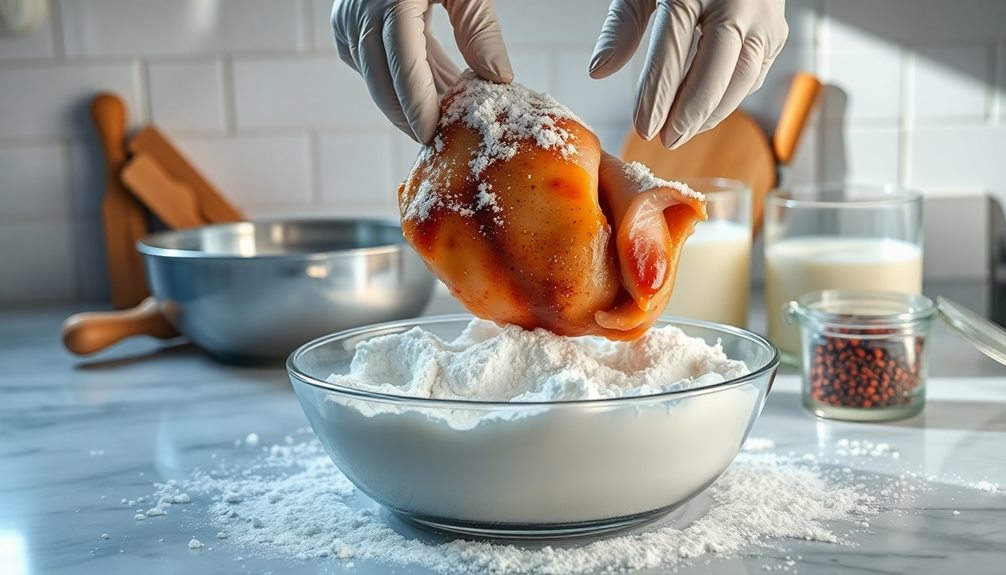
column 298, row 375
column 145, row 245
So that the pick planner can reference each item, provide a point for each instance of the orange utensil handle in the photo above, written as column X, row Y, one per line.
column 803, row 93
column 90, row 332
column 108, row 112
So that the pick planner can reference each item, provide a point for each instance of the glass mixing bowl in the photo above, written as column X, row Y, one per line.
column 524, row 470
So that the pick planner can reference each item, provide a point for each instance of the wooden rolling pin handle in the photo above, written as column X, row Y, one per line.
column 109, row 114
column 123, row 218
column 90, row 332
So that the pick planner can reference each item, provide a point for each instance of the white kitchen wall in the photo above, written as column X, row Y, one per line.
column 252, row 90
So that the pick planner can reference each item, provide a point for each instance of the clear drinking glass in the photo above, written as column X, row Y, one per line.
column 837, row 236
column 713, row 278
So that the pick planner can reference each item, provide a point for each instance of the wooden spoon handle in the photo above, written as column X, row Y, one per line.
column 803, row 93
column 90, row 332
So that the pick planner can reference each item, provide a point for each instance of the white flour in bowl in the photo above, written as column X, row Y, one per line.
column 589, row 462
column 488, row 362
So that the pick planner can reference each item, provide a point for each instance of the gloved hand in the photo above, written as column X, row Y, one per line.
column 738, row 42
column 390, row 44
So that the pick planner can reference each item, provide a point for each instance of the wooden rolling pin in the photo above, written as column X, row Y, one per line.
column 157, row 176
column 123, row 217
column 91, row 332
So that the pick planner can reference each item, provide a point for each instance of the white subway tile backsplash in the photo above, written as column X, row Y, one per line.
column 35, row 44
column 387, row 211
column 155, row 27
column 951, row 83
column 53, row 100
column 959, row 157
column 802, row 17
column 271, row 171
column 911, row 21
column 530, row 64
column 187, row 96
column 87, row 178
column 525, row 23
column 859, row 154
column 960, row 250
column 845, row 36
column 573, row 23
column 533, row 68
column 612, row 135
column 607, row 101
column 999, row 107
column 865, row 85
column 806, row 166
column 34, row 182
column 798, row 55
column 278, row 211
column 321, row 25
column 355, row 169
column 92, row 266
column 37, row 262
column 404, row 151
column 307, row 92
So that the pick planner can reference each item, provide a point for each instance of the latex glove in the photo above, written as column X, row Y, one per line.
column 390, row 44
column 737, row 42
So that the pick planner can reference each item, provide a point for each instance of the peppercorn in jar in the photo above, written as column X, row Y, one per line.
column 863, row 353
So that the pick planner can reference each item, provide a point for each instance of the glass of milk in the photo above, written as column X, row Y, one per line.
column 837, row 236
column 713, row 278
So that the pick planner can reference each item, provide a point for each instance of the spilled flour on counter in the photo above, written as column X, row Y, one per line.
column 291, row 501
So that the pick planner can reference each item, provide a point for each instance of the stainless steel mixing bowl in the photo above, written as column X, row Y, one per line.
column 254, row 291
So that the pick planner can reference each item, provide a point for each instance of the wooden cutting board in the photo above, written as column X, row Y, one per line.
column 173, row 202
column 214, row 207
column 737, row 148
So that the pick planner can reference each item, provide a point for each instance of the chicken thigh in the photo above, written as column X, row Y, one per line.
column 528, row 222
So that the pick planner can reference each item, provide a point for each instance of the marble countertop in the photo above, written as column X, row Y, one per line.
column 77, row 436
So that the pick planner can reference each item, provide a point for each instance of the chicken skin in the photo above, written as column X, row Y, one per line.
column 518, row 210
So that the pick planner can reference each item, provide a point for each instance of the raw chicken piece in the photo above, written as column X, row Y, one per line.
column 516, row 208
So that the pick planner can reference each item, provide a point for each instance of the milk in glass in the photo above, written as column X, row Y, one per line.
column 712, row 282
column 795, row 266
